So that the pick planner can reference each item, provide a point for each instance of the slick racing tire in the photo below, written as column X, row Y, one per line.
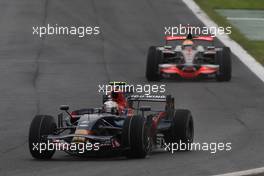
column 223, row 59
column 153, row 61
column 41, row 126
column 135, row 137
column 182, row 129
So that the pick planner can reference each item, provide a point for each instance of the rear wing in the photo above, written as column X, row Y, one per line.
column 168, row 100
column 149, row 98
column 203, row 38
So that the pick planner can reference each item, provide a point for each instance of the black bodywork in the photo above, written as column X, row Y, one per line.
column 131, row 135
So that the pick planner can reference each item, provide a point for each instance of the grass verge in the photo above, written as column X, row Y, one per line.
column 255, row 48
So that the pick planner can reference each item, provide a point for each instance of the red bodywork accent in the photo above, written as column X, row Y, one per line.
column 191, row 73
column 121, row 101
column 155, row 122
column 74, row 114
column 156, row 119
column 122, row 104
column 205, row 38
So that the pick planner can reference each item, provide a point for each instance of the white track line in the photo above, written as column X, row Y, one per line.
column 245, row 19
column 242, row 54
column 245, row 172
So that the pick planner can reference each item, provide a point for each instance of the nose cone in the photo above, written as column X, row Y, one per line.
column 80, row 138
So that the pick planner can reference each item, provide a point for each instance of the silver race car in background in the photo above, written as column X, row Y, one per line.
column 188, row 60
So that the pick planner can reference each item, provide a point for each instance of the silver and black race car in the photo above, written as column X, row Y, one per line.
column 188, row 60
column 88, row 132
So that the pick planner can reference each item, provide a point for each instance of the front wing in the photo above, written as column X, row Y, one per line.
column 188, row 71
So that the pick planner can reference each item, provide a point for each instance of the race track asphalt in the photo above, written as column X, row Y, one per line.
column 39, row 74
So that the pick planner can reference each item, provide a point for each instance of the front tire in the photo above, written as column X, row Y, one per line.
column 223, row 59
column 153, row 61
column 41, row 125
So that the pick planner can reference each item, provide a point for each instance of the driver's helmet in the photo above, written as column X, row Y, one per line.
column 110, row 106
column 187, row 43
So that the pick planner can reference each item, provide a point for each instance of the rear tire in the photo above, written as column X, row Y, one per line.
column 153, row 61
column 182, row 130
column 135, row 137
column 223, row 59
column 41, row 125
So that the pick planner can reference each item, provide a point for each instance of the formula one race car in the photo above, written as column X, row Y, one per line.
column 188, row 60
column 97, row 132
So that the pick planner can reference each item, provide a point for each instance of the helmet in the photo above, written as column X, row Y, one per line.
column 187, row 43
column 110, row 106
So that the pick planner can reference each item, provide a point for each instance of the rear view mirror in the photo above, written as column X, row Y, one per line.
column 64, row 107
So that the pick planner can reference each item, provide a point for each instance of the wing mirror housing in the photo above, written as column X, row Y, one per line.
column 64, row 107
